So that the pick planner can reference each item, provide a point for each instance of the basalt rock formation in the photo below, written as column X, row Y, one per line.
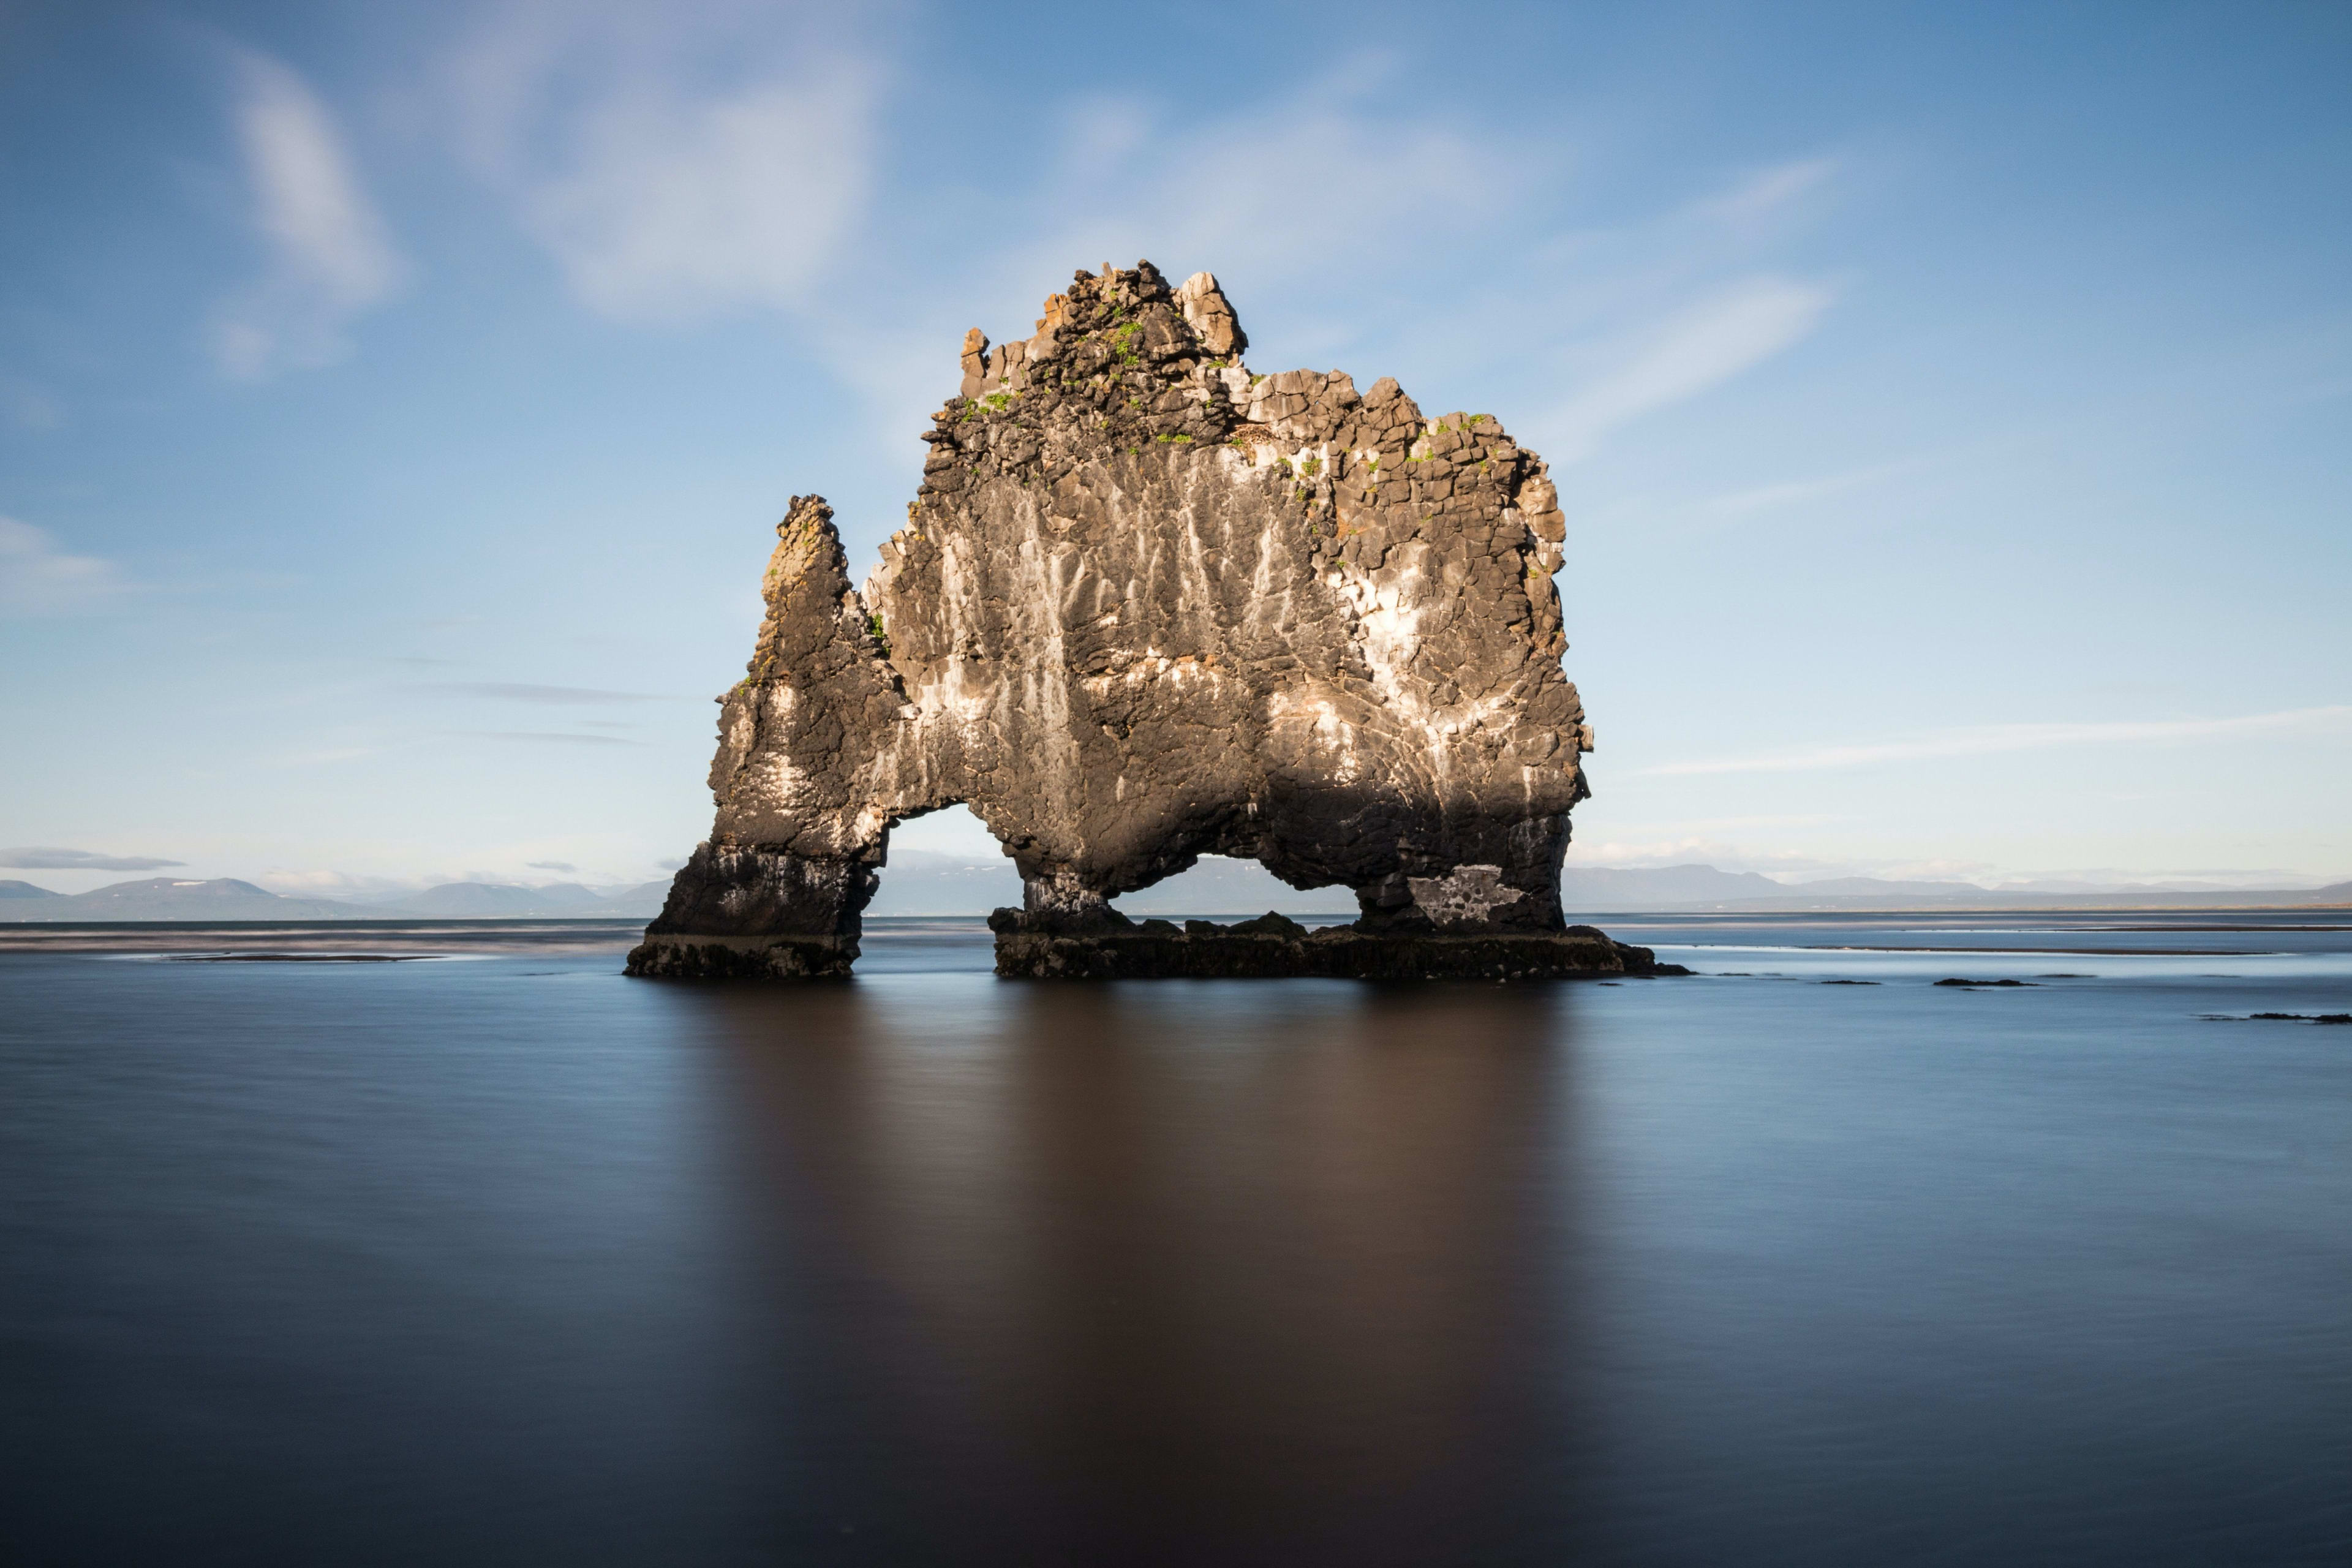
column 1149, row 605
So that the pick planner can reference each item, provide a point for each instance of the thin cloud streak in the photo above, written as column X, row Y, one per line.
column 327, row 756
column 1769, row 191
column 37, row 859
column 550, row 737
column 1764, row 498
column 1705, row 346
column 547, row 696
column 1990, row 739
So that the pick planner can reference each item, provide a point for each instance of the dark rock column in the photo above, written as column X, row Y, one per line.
column 758, row 914
column 778, row 891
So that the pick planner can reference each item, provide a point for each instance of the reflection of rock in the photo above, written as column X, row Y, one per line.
column 1027, row 1243
column 1147, row 606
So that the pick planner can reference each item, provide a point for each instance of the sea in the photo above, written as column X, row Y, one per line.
column 446, row 1243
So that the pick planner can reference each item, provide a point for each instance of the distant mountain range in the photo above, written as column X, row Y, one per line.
column 1611, row 887
column 226, row 898
column 1699, row 889
column 171, row 898
column 915, row 882
column 919, row 882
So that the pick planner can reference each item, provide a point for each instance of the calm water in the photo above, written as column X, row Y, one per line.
column 499, row 1257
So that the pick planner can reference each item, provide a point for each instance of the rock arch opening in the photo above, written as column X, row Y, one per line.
column 1224, row 887
column 944, row 862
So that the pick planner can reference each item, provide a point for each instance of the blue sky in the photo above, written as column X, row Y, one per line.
column 1951, row 403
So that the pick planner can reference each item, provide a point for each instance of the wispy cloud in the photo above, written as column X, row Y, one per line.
column 1297, row 192
column 1704, row 346
column 678, row 166
column 1795, row 492
column 550, row 866
column 551, row 737
column 324, row 756
column 1283, row 189
column 36, row 859
column 1291, row 196
column 29, row 407
column 37, row 577
column 331, row 256
column 1990, row 739
column 677, row 209
column 546, row 696
column 1769, row 191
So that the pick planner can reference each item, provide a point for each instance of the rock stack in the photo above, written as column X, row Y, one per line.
column 1149, row 605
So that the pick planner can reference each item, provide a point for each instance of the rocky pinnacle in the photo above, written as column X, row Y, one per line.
column 1149, row 606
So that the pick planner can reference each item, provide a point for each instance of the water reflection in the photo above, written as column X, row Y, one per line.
column 1081, row 1273
column 518, row 1261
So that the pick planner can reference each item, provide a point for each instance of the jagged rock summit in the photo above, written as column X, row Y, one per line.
column 1149, row 606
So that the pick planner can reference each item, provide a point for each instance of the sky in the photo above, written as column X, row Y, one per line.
column 1952, row 405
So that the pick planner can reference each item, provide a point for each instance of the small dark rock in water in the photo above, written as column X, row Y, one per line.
column 1849, row 982
column 1977, row 985
column 2306, row 1017
column 2065, row 977
column 1149, row 607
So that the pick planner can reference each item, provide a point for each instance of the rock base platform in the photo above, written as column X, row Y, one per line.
column 1274, row 947
column 674, row 957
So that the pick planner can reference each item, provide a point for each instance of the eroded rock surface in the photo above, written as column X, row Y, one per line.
column 1149, row 606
